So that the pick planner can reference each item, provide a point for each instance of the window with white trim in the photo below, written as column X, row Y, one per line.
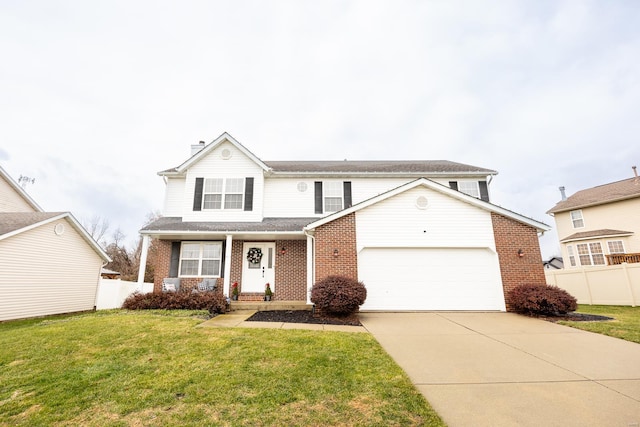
column 332, row 192
column 470, row 188
column 200, row 259
column 590, row 253
column 572, row 256
column 219, row 193
column 576, row 219
column 615, row 247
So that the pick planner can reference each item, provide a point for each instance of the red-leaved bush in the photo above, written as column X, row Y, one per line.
column 338, row 295
column 541, row 300
column 215, row 302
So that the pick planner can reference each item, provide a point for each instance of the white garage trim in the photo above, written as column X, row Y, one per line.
column 416, row 279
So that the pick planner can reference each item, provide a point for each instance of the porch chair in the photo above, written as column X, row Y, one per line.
column 170, row 284
column 206, row 285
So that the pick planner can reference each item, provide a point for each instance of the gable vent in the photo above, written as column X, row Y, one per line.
column 225, row 154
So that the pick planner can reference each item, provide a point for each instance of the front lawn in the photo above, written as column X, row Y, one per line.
column 626, row 324
column 159, row 369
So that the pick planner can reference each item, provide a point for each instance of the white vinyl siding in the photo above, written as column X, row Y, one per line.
column 42, row 273
column 174, row 197
column 11, row 200
column 200, row 259
column 576, row 219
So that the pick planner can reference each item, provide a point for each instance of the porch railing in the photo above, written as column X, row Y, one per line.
column 616, row 259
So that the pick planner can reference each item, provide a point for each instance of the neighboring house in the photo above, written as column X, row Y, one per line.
column 421, row 235
column 554, row 263
column 600, row 225
column 48, row 263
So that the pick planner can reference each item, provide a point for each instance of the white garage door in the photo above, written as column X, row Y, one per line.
column 430, row 279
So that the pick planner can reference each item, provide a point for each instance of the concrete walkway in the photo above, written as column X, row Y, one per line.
column 502, row 369
column 237, row 319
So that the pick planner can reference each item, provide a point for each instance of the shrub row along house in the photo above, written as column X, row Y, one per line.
column 421, row 235
column 49, row 264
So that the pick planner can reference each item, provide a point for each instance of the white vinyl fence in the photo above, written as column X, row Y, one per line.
column 112, row 293
column 606, row 285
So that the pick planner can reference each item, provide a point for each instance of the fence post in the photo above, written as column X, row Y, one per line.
column 586, row 282
column 629, row 285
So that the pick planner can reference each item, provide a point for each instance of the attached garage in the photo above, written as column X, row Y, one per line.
column 431, row 279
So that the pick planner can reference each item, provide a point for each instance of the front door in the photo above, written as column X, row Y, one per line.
column 258, row 266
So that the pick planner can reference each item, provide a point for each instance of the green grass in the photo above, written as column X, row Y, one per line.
column 626, row 324
column 122, row 368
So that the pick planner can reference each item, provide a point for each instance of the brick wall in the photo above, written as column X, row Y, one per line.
column 341, row 235
column 511, row 236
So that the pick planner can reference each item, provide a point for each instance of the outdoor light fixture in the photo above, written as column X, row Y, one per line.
column 283, row 251
column 520, row 253
column 335, row 252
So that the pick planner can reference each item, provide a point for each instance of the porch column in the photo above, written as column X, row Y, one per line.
column 143, row 260
column 310, row 266
column 227, row 266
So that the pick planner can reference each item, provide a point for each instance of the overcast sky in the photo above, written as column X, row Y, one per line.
column 97, row 97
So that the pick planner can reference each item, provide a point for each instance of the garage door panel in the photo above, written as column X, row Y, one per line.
column 430, row 279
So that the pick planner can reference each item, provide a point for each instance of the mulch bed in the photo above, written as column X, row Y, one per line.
column 302, row 316
column 575, row 317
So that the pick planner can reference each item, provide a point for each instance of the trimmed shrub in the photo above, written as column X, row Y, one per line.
column 213, row 301
column 541, row 300
column 338, row 295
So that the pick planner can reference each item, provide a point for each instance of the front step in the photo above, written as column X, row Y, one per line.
column 269, row 305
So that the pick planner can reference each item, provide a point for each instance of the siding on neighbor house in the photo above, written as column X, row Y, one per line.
column 445, row 223
column 511, row 236
column 11, row 201
column 63, row 273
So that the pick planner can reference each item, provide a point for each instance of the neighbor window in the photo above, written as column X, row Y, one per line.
column 572, row 256
column 469, row 187
column 200, row 259
column 221, row 193
column 615, row 247
column 576, row 219
column 590, row 254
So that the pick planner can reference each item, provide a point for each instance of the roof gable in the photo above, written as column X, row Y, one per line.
column 439, row 188
column 600, row 195
column 19, row 190
column 225, row 137
column 15, row 223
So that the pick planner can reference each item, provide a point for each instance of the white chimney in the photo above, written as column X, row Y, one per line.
column 635, row 171
column 564, row 196
column 196, row 148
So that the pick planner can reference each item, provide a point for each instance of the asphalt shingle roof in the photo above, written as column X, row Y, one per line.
column 267, row 225
column 12, row 221
column 595, row 233
column 600, row 195
column 376, row 166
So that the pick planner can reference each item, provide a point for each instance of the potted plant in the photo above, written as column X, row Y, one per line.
column 234, row 291
column 268, row 293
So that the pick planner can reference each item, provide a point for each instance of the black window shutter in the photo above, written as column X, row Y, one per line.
column 248, row 194
column 197, row 194
column 453, row 185
column 224, row 259
column 484, row 191
column 318, row 196
column 346, row 187
column 175, row 259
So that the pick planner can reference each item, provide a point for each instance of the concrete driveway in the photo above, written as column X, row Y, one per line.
column 502, row 369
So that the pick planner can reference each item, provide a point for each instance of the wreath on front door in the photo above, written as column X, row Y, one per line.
column 254, row 255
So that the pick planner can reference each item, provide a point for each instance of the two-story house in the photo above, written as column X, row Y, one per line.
column 600, row 225
column 421, row 235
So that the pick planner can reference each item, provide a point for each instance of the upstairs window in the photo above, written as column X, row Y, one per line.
column 615, row 247
column 576, row 219
column 200, row 259
column 223, row 193
column 590, row 254
column 332, row 196
column 470, row 188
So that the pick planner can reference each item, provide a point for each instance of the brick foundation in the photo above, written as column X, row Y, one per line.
column 511, row 236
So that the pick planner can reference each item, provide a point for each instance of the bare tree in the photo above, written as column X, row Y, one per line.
column 97, row 228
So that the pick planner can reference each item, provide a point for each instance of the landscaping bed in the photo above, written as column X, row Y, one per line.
column 303, row 316
column 576, row 317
